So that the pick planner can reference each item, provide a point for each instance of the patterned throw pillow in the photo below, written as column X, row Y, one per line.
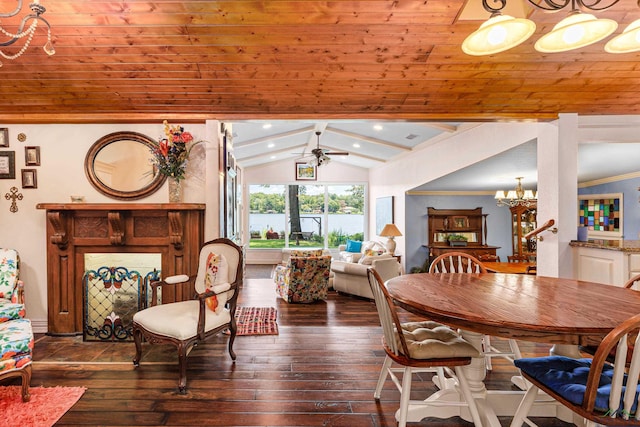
column 215, row 279
column 373, row 252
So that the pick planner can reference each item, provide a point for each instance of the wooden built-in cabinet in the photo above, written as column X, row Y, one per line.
column 470, row 223
column 523, row 221
column 175, row 231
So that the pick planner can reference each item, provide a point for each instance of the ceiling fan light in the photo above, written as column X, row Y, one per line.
column 497, row 34
column 628, row 41
column 575, row 31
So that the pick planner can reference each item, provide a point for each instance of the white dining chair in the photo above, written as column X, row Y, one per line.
column 422, row 347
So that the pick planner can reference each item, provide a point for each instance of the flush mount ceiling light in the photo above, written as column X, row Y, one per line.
column 578, row 29
column 21, row 33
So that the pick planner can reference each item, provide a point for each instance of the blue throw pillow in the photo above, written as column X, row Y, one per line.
column 353, row 246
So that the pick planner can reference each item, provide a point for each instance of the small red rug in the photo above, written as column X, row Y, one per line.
column 257, row 320
column 46, row 407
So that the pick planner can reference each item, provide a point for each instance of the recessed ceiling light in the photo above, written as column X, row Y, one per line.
column 273, row 157
column 266, row 126
column 356, row 145
column 377, row 127
column 271, row 145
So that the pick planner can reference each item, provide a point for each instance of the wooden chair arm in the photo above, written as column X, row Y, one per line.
column 202, row 297
column 600, row 357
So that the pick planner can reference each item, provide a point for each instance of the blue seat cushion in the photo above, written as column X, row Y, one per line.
column 568, row 378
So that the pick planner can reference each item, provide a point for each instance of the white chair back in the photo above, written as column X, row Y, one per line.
column 231, row 258
column 388, row 317
column 456, row 262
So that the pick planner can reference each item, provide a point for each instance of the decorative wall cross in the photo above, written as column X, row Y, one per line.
column 13, row 195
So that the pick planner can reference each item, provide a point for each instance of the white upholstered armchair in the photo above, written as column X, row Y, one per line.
column 212, row 310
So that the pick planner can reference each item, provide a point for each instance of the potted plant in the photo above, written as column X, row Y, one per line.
column 457, row 240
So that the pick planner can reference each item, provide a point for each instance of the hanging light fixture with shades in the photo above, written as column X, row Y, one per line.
column 499, row 33
column 36, row 16
column 516, row 197
column 578, row 29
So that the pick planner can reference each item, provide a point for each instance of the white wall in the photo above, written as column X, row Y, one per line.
column 61, row 174
column 439, row 157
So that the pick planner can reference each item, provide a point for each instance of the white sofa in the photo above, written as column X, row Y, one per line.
column 349, row 270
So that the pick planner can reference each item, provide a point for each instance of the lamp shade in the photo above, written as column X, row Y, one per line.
column 390, row 230
column 628, row 41
column 575, row 31
column 497, row 34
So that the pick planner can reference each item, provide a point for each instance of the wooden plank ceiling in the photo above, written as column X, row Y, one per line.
column 136, row 60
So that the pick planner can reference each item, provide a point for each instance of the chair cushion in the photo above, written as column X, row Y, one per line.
column 216, row 279
column 568, row 378
column 16, row 344
column 8, row 272
column 10, row 311
column 432, row 340
column 179, row 319
column 353, row 246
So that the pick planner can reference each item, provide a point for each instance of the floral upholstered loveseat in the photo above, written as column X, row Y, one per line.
column 305, row 276
column 16, row 335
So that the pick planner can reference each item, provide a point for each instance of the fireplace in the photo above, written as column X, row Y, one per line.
column 115, row 287
column 77, row 232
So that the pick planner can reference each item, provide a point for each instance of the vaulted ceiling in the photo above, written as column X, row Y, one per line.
column 338, row 67
column 138, row 60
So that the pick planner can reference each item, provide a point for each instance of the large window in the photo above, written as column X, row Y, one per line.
column 305, row 215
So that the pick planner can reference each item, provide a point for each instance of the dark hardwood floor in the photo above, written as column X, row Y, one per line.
column 320, row 370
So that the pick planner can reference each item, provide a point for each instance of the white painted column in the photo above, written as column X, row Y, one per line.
column 558, row 194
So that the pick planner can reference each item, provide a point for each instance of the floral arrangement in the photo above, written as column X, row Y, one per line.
column 171, row 153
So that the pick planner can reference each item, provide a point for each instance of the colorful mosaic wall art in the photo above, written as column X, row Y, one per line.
column 600, row 214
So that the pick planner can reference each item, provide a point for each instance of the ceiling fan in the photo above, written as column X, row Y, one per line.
column 321, row 155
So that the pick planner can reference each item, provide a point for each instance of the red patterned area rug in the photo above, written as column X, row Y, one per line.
column 257, row 320
column 46, row 407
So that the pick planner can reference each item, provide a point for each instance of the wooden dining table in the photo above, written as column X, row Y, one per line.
column 508, row 267
column 563, row 312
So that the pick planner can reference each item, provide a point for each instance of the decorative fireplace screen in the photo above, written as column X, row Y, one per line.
column 115, row 287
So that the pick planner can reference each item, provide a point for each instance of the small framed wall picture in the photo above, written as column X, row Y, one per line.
column 32, row 156
column 29, row 178
column 305, row 172
column 4, row 137
column 7, row 165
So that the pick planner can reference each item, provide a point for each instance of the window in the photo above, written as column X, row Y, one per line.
column 305, row 215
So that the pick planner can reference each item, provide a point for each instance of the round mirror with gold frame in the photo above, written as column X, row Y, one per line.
column 118, row 166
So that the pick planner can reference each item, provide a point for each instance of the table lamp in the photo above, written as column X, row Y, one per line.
column 390, row 231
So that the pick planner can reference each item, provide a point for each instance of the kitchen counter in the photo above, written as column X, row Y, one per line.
column 612, row 262
column 611, row 245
